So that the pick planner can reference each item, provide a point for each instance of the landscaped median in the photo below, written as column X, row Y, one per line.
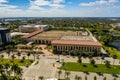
column 19, row 62
column 112, row 51
column 86, row 67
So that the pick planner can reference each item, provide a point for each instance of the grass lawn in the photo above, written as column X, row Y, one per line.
column 113, row 51
column 26, row 62
column 86, row 67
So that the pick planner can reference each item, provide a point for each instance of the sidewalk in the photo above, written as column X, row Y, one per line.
column 90, row 76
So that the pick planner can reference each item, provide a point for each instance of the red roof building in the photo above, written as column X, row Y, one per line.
column 87, row 47
column 76, row 42
column 32, row 34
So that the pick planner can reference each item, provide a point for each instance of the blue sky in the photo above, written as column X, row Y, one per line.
column 59, row 8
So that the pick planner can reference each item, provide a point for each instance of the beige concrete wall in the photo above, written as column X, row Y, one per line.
column 82, row 48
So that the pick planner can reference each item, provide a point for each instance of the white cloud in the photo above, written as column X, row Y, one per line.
column 34, row 7
column 113, row 1
column 57, row 6
column 3, row 1
column 58, row 1
column 37, row 8
column 6, row 9
column 100, row 2
column 7, row 6
column 94, row 12
column 40, row 2
column 48, row 3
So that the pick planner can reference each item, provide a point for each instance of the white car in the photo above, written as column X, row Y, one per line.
column 57, row 60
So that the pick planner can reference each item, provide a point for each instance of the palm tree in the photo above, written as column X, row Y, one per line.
column 104, row 78
column 41, row 77
column 18, row 71
column 3, row 77
column 1, row 69
column 67, row 74
column 9, row 72
column 114, row 78
column 90, row 57
column 95, row 78
column 1, row 66
column 8, row 52
column 59, row 73
column 33, row 53
column 11, row 47
column 76, row 77
column 13, row 57
column 92, row 62
column 2, row 56
column 79, row 78
column 79, row 59
column 85, row 77
column 114, row 57
column 102, row 58
column 19, row 54
column 28, row 54
column 7, row 66
column 107, row 64
column 14, row 68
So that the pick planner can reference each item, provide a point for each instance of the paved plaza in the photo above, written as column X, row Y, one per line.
column 43, row 68
column 47, row 67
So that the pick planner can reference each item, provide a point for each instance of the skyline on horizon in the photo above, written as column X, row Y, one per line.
column 59, row 8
